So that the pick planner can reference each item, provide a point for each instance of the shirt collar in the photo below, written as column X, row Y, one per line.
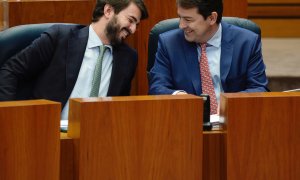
column 94, row 40
column 216, row 39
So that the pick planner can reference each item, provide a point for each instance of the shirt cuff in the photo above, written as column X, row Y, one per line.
column 178, row 91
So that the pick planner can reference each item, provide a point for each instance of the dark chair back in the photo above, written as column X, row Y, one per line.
column 170, row 24
column 13, row 40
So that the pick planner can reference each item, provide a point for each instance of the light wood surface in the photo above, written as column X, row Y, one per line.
column 48, row 11
column 273, row 1
column 1, row 15
column 66, row 157
column 143, row 137
column 213, row 166
column 262, row 135
column 214, row 155
column 29, row 140
column 277, row 18
column 283, row 11
column 158, row 10
column 279, row 27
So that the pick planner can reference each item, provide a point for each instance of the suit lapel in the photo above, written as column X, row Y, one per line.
column 226, row 53
column 190, row 50
column 117, row 75
column 75, row 52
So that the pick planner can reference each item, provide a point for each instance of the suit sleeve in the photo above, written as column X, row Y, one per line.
column 256, row 78
column 27, row 64
column 132, row 70
column 160, row 77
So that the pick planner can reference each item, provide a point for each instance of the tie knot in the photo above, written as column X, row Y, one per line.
column 203, row 45
column 102, row 48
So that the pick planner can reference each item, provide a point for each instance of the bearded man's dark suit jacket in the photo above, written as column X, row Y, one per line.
column 51, row 66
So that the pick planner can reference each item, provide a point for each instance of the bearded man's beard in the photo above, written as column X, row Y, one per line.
column 112, row 31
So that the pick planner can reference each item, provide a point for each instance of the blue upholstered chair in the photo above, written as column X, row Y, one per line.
column 14, row 39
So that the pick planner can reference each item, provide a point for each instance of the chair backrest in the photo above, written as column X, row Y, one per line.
column 13, row 40
column 170, row 24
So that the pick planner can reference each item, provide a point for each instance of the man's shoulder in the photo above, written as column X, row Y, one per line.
column 237, row 30
column 172, row 37
column 64, row 28
column 174, row 33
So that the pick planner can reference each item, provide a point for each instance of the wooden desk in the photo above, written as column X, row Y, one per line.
column 214, row 156
column 29, row 140
column 66, row 157
column 137, row 137
column 262, row 136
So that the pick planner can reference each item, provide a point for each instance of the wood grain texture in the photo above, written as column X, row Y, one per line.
column 273, row 1
column 158, row 10
column 29, row 140
column 279, row 27
column 45, row 11
column 214, row 156
column 1, row 15
column 66, row 157
column 277, row 18
column 284, row 11
column 235, row 8
column 142, row 137
column 262, row 135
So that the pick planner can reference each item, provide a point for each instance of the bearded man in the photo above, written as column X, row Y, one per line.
column 62, row 62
